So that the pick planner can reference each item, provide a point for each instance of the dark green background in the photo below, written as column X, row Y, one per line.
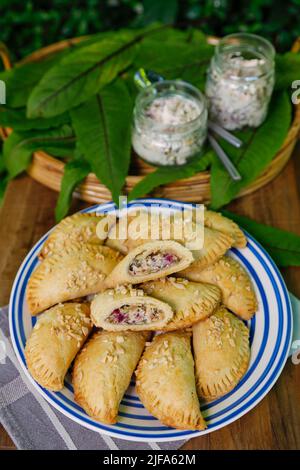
column 28, row 25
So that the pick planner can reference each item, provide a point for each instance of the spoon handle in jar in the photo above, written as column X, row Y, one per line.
column 232, row 139
column 228, row 165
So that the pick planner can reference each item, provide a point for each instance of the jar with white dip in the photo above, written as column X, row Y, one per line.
column 170, row 123
column 240, row 81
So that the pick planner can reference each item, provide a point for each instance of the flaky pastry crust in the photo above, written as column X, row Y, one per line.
column 79, row 270
column 103, row 369
column 221, row 352
column 190, row 301
column 229, row 275
column 166, row 382
column 54, row 341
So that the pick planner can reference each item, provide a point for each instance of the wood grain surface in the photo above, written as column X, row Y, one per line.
column 28, row 212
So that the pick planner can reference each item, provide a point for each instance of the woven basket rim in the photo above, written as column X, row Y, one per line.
column 57, row 165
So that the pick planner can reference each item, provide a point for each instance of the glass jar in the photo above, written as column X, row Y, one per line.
column 240, row 81
column 170, row 123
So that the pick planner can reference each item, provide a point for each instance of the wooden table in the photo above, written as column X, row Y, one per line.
column 27, row 213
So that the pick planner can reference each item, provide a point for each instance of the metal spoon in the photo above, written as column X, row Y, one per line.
column 144, row 78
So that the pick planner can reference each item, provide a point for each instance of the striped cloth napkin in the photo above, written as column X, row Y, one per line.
column 33, row 423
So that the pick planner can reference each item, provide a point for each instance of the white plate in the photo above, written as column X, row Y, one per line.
column 270, row 336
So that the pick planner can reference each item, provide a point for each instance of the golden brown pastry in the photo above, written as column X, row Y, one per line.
column 146, row 226
column 221, row 352
column 217, row 221
column 190, row 301
column 78, row 270
column 229, row 275
column 150, row 261
column 103, row 369
column 125, row 308
column 215, row 245
column 166, row 381
column 78, row 228
column 54, row 341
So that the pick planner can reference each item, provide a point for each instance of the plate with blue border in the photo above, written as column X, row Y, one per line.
column 270, row 337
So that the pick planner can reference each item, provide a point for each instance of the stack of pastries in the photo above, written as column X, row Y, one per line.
column 111, row 307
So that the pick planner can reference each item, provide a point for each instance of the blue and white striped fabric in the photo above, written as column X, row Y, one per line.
column 270, row 336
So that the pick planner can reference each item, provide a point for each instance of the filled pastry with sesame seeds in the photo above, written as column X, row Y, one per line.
column 103, row 370
column 217, row 221
column 150, row 261
column 215, row 245
column 78, row 270
column 165, row 381
column 190, row 301
column 221, row 353
column 229, row 275
column 125, row 308
column 56, row 338
column 80, row 227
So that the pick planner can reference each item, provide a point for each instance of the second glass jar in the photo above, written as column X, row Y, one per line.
column 240, row 81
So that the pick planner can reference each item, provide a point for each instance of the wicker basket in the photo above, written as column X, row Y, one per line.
column 49, row 170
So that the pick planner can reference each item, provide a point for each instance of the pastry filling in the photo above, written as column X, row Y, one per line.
column 152, row 263
column 136, row 314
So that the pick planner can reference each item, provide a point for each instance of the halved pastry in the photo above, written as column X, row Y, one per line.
column 150, row 261
column 229, row 275
column 129, row 309
column 76, row 228
column 191, row 301
column 221, row 352
column 103, row 369
column 54, row 341
column 215, row 245
column 78, row 270
column 166, row 381
column 217, row 221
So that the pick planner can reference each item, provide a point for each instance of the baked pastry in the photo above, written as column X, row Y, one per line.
column 150, row 261
column 125, row 308
column 217, row 221
column 78, row 270
column 78, row 228
column 190, row 301
column 215, row 245
column 221, row 352
column 144, row 227
column 54, row 341
column 103, row 369
column 229, row 275
column 166, row 381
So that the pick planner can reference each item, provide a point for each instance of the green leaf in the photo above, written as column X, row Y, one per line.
column 167, row 174
column 17, row 119
column 18, row 147
column 84, row 72
column 3, row 184
column 287, row 69
column 22, row 79
column 283, row 246
column 260, row 146
column 75, row 171
column 174, row 59
column 81, row 75
column 2, row 165
column 103, row 129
